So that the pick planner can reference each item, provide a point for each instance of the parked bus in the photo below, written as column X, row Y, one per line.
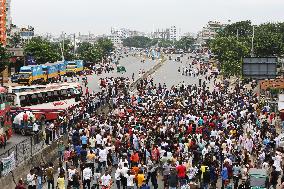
column 45, row 101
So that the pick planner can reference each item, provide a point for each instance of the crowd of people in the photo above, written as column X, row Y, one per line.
column 165, row 137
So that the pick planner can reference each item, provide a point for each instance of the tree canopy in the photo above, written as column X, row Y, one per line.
column 4, row 57
column 184, row 43
column 137, row 41
column 234, row 42
column 42, row 50
column 105, row 46
column 145, row 42
column 89, row 52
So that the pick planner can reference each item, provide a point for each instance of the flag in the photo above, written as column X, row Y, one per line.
column 31, row 60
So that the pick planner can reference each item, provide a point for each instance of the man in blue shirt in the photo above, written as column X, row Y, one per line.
column 224, row 175
column 84, row 140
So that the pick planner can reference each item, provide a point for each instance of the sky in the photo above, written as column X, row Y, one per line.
column 98, row 16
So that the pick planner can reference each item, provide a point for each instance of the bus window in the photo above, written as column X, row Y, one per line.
column 70, row 92
column 11, row 99
column 23, row 101
column 44, row 97
column 56, row 95
column 34, row 99
column 63, row 93
column 4, row 96
column 1, row 99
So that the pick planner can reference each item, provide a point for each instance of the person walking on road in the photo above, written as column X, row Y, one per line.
column 87, row 175
column 61, row 181
column 20, row 185
column 31, row 180
column 173, row 179
column 50, row 176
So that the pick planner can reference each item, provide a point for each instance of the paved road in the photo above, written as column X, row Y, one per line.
column 132, row 65
column 169, row 74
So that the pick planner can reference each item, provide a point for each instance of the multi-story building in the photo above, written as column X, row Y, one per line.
column 173, row 33
column 8, row 14
column 25, row 33
column 161, row 34
column 5, row 20
column 210, row 30
column 169, row 34
column 117, row 35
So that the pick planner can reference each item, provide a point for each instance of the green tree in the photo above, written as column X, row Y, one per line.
column 14, row 41
column 230, row 52
column 105, row 45
column 268, row 40
column 68, row 49
column 137, row 42
column 42, row 50
column 234, row 42
column 243, row 29
column 184, row 43
column 4, row 58
column 89, row 52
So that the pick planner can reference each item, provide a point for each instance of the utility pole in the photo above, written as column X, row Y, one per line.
column 62, row 49
column 252, row 42
column 74, row 44
column 237, row 34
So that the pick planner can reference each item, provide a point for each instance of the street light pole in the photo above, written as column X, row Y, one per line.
column 252, row 42
column 62, row 53
column 237, row 34
column 74, row 44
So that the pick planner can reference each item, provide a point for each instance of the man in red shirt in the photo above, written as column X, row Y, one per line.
column 181, row 172
column 25, row 119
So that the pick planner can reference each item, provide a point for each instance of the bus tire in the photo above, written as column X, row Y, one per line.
column 23, row 132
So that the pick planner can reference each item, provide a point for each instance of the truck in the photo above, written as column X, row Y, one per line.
column 51, row 71
column 74, row 67
column 61, row 68
column 31, row 75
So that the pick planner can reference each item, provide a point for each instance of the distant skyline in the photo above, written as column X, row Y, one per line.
column 97, row 16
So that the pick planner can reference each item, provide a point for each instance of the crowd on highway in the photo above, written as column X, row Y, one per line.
column 165, row 137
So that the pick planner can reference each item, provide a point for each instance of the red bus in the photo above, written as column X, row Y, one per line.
column 5, row 116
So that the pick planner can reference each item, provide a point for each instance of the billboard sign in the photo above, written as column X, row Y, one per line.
column 260, row 67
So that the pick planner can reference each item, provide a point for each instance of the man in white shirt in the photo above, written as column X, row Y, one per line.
column 31, row 180
column 117, row 176
column 130, row 180
column 106, row 180
column 99, row 139
column 71, row 172
column 102, row 158
column 87, row 175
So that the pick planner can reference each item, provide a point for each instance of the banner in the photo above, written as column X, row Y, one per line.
column 9, row 164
